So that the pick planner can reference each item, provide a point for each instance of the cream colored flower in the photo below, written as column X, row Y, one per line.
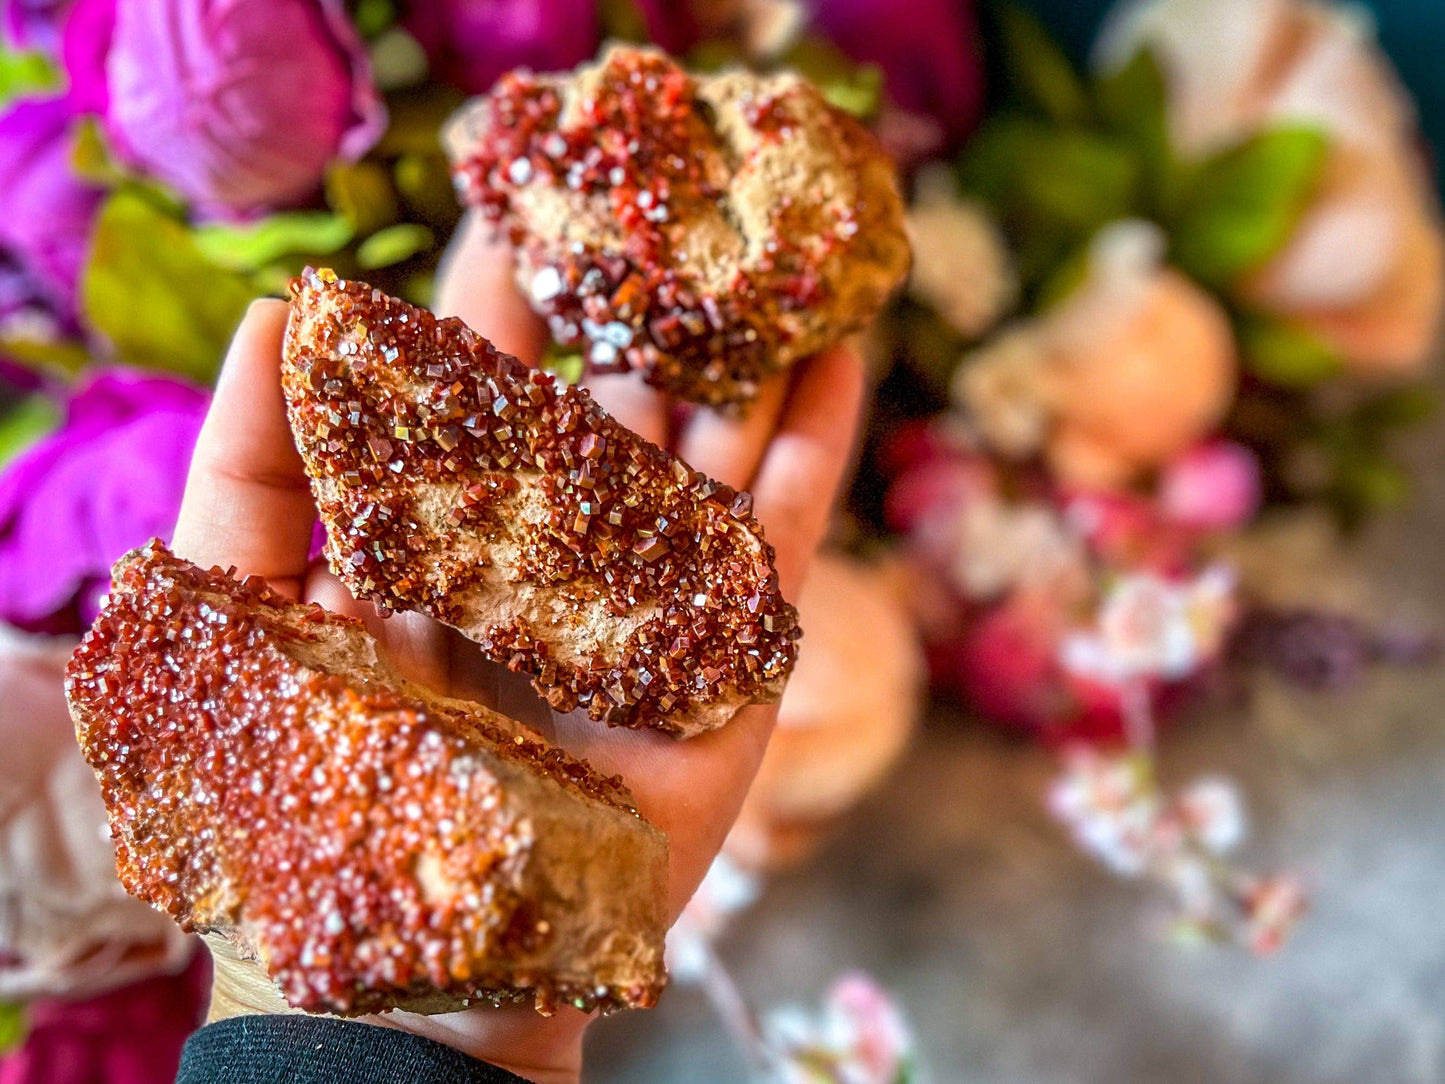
column 961, row 266
column 1005, row 385
column 1365, row 269
column 1001, row 546
column 1124, row 373
column 1151, row 627
column 66, row 924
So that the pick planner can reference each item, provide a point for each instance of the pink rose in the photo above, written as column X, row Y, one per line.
column 239, row 105
column 1215, row 487
column 1126, row 372
column 45, row 229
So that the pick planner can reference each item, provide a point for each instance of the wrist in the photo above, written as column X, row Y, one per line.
column 544, row 1049
column 547, row 1050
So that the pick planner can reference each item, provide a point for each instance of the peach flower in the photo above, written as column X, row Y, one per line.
column 846, row 716
column 1365, row 269
column 1130, row 369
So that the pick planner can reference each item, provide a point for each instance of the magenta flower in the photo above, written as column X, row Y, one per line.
column 132, row 1035
column 107, row 480
column 930, row 56
column 670, row 24
column 48, row 212
column 471, row 42
column 237, row 104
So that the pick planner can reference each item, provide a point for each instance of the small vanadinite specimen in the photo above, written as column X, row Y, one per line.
column 705, row 230
column 269, row 777
column 455, row 481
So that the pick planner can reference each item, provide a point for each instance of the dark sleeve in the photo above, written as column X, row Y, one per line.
column 319, row 1050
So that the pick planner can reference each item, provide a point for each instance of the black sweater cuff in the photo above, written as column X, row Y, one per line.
column 318, row 1050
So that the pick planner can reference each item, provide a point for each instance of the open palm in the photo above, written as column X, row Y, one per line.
column 247, row 504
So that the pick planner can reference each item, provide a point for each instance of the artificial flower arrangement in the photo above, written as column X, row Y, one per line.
column 1127, row 332
column 1153, row 306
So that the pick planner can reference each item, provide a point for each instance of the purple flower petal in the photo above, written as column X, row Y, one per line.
column 109, row 479
column 929, row 53
column 34, row 24
column 48, row 212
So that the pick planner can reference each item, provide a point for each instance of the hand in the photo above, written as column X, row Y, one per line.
column 247, row 504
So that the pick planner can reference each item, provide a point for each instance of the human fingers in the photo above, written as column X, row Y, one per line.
column 638, row 406
column 798, row 480
column 730, row 447
column 476, row 284
column 691, row 790
column 247, row 502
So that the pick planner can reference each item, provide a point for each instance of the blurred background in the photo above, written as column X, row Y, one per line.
column 1115, row 748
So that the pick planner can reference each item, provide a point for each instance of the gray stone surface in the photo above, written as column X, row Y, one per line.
column 1020, row 961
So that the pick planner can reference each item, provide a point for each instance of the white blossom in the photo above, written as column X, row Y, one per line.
column 1149, row 626
column 859, row 1036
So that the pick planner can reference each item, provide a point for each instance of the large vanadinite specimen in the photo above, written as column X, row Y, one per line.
column 455, row 481
column 705, row 230
column 269, row 777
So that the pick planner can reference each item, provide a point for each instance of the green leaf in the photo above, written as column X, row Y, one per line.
column 1038, row 69
column 90, row 158
column 622, row 20
column 12, row 1026
column 1043, row 176
column 24, row 73
column 393, row 245
column 20, row 427
column 251, row 247
column 860, row 94
column 1371, row 484
column 373, row 16
column 420, row 289
column 1285, row 354
column 397, row 59
column 425, row 183
column 55, row 355
column 1243, row 203
column 852, row 87
column 1063, row 278
column 565, row 362
column 1401, row 408
column 273, row 279
column 713, row 55
column 361, row 193
column 416, row 115
column 1131, row 105
column 150, row 290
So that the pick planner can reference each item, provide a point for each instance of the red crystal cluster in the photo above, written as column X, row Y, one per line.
column 444, row 469
column 366, row 845
column 643, row 143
